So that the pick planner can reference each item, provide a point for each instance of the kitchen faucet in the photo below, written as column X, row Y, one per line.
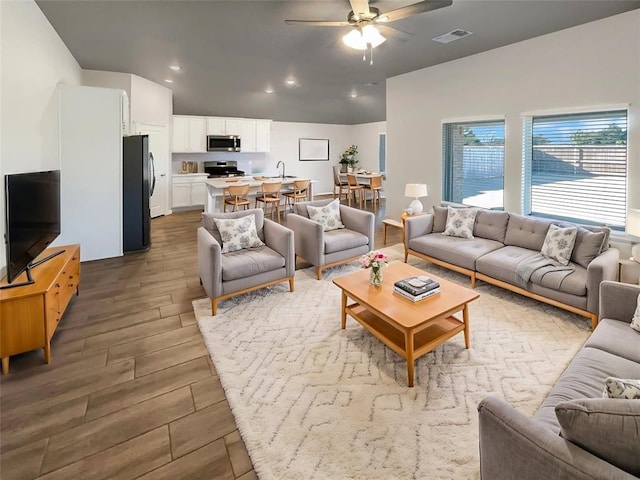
column 283, row 167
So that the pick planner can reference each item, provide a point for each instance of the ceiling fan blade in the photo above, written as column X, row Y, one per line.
column 395, row 33
column 360, row 7
column 420, row 7
column 317, row 23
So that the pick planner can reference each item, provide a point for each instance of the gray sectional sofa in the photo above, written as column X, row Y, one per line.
column 576, row 433
column 503, row 242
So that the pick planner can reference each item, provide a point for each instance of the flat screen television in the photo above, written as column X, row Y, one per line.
column 32, row 202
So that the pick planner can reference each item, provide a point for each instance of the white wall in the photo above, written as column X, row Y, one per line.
column 150, row 103
column 366, row 137
column 33, row 62
column 593, row 64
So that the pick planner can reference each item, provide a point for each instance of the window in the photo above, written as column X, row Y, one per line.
column 382, row 152
column 575, row 167
column 473, row 163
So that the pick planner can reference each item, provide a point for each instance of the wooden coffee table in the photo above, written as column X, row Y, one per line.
column 409, row 329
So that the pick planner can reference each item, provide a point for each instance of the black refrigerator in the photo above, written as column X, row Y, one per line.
column 138, row 182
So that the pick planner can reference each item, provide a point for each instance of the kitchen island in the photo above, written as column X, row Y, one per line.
column 216, row 186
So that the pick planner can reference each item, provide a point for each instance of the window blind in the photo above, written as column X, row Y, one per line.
column 575, row 167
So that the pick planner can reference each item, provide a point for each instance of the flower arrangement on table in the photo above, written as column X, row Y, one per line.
column 348, row 157
column 376, row 261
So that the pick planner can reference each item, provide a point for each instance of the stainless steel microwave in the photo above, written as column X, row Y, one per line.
column 223, row 143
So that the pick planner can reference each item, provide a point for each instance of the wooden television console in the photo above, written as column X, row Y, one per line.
column 29, row 314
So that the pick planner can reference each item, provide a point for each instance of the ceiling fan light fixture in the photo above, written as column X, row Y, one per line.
column 361, row 38
column 355, row 40
column 372, row 36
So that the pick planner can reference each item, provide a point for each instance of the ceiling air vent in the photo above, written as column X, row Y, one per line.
column 451, row 36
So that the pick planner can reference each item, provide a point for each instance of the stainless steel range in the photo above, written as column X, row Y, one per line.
column 222, row 169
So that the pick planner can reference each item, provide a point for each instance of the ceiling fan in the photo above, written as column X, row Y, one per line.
column 365, row 21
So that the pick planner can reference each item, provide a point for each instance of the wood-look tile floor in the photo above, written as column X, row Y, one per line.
column 131, row 391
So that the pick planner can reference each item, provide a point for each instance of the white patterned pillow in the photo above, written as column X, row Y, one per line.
column 460, row 222
column 238, row 233
column 327, row 216
column 621, row 388
column 558, row 244
column 635, row 321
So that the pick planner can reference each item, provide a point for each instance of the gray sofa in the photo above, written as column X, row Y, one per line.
column 327, row 249
column 575, row 434
column 502, row 241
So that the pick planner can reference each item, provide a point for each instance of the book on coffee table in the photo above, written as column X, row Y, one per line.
column 418, row 285
column 416, row 298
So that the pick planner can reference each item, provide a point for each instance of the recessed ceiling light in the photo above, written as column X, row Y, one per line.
column 168, row 81
column 268, row 90
column 290, row 82
column 175, row 68
column 353, row 94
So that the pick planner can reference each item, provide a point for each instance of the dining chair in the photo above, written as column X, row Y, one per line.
column 374, row 186
column 354, row 187
column 299, row 193
column 237, row 196
column 270, row 196
column 338, row 184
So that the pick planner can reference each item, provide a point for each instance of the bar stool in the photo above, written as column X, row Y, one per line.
column 270, row 196
column 237, row 196
column 299, row 193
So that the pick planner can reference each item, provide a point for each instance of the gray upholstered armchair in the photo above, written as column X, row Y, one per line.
column 225, row 275
column 327, row 249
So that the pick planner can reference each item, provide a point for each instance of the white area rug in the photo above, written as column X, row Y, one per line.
column 313, row 401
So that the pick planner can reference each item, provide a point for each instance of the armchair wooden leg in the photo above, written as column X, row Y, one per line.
column 319, row 272
column 473, row 281
column 291, row 284
column 214, row 307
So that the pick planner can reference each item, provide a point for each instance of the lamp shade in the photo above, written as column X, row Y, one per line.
column 415, row 190
column 633, row 222
column 633, row 229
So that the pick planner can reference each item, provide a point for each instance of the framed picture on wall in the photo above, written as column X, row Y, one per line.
column 313, row 149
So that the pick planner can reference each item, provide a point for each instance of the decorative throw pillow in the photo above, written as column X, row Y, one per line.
column 327, row 216
column 238, row 233
column 588, row 246
column 607, row 428
column 460, row 222
column 635, row 321
column 558, row 244
column 621, row 388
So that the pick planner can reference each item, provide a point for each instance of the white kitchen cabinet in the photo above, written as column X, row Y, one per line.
column 181, row 195
column 262, row 136
column 247, row 135
column 189, row 190
column 223, row 126
column 189, row 134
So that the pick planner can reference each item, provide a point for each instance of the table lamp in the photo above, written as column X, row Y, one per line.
column 415, row 190
column 633, row 229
